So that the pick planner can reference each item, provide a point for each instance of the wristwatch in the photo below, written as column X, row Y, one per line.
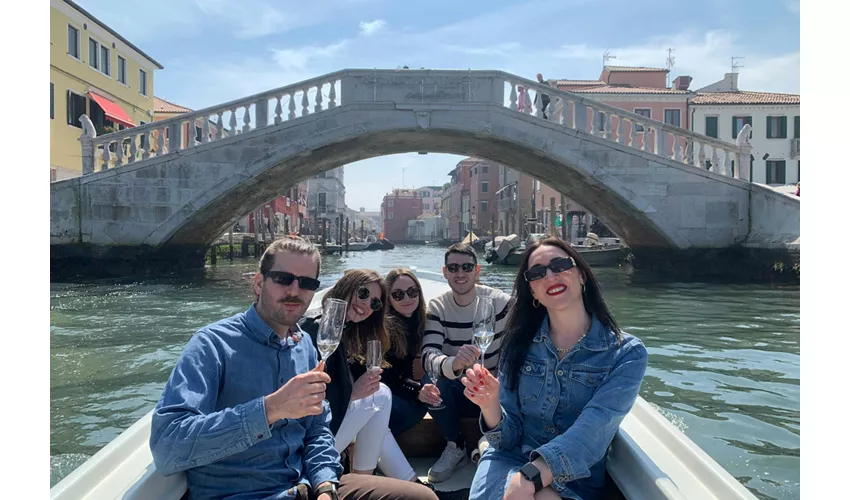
column 531, row 473
column 328, row 488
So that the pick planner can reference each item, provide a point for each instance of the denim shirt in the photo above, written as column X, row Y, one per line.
column 568, row 411
column 211, row 420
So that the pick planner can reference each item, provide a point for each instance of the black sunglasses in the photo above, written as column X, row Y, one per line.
column 284, row 278
column 558, row 265
column 411, row 292
column 363, row 294
column 468, row 267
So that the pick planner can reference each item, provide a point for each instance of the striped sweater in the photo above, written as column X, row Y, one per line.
column 449, row 327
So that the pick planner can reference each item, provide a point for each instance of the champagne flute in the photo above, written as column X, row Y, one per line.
column 330, row 326
column 374, row 358
column 484, row 325
column 433, row 369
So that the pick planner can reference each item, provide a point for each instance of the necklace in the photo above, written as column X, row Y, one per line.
column 564, row 351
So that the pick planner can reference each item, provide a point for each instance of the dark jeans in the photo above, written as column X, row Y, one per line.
column 457, row 406
column 405, row 414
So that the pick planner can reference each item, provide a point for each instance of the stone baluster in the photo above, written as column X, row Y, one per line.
column 728, row 156
column 175, row 133
column 291, row 106
column 701, row 156
column 677, row 147
column 105, row 155
column 569, row 114
column 205, row 130
column 147, row 140
column 160, row 141
column 594, row 120
column 621, row 130
column 219, row 132
column 660, row 143
column 715, row 160
column 246, row 119
column 233, row 121
column 538, row 111
column 607, row 130
column 580, row 116
column 644, row 144
column 133, row 151
column 305, row 103
column 632, row 133
column 119, row 153
column 318, row 106
column 278, row 111
column 526, row 102
column 513, row 97
column 261, row 113
column 332, row 96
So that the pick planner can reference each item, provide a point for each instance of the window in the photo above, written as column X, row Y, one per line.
column 738, row 123
column 642, row 112
column 105, row 60
column 323, row 199
column 426, row 206
column 485, row 186
column 484, row 205
column 94, row 56
column 711, row 126
column 199, row 134
column 485, row 169
column 389, row 203
column 51, row 100
column 73, row 42
column 775, row 172
column 143, row 82
column 76, row 109
column 673, row 117
column 122, row 70
column 777, row 127
column 796, row 127
column 389, row 216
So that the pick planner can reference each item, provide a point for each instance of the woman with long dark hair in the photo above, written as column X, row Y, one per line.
column 353, row 388
column 405, row 326
column 567, row 378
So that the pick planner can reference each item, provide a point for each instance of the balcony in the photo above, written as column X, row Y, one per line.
column 795, row 148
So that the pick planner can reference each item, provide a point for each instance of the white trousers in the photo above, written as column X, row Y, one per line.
column 369, row 431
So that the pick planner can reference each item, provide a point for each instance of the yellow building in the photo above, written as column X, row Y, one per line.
column 93, row 71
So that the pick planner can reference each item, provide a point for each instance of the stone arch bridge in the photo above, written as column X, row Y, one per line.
column 149, row 193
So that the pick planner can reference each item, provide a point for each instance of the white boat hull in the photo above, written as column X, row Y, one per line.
column 649, row 458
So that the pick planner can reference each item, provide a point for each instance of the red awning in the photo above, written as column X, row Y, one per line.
column 112, row 110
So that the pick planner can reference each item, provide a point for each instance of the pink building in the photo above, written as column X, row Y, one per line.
column 455, row 204
column 483, row 197
column 397, row 209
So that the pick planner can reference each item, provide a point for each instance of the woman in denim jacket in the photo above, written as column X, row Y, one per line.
column 567, row 378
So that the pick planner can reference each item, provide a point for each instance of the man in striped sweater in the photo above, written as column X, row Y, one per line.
column 447, row 343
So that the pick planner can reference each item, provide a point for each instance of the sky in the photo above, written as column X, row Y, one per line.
column 215, row 51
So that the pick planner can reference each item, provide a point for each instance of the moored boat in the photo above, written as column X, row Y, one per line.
column 649, row 458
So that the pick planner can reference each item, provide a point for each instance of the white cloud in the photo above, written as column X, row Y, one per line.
column 507, row 49
column 793, row 6
column 371, row 27
column 299, row 58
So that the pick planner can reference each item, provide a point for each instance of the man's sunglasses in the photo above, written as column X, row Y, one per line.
column 467, row 267
column 284, row 278
column 398, row 294
column 558, row 265
column 363, row 294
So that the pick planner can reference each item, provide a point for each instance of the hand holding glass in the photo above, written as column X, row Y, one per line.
column 330, row 326
column 433, row 369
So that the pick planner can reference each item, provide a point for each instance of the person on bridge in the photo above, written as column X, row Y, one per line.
column 243, row 412
column 447, row 346
column 541, row 100
column 405, row 326
column 353, row 389
column 567, row 379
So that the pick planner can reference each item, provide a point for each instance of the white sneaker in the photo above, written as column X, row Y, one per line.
column 450, row 461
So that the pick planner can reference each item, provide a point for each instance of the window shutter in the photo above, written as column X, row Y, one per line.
column 783, row 127
column 770, row 133
column 734, row 128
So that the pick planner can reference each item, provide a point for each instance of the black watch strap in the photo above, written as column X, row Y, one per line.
column 531, row 473
column 328, row 488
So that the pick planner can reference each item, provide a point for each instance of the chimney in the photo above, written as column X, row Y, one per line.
column 682, row 82
column 730, row 80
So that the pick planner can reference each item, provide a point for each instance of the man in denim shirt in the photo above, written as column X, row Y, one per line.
column 243, row 412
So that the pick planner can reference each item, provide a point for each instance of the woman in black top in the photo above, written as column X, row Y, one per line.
column 405, row 325
column 353, row 389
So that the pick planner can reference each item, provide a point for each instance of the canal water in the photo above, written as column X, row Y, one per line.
column 724, row 360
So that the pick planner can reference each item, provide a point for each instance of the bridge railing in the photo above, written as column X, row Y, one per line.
column 570, row 110
column 609, row 122
column 189, row 130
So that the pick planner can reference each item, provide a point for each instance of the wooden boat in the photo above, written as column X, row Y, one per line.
column 649, row 458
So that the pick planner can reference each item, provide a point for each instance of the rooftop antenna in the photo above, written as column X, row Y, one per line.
column 671, row 61
column 605, row 57
column 735, row 64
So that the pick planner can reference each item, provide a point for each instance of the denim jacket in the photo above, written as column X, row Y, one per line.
column 211, row 420
column 568, row 411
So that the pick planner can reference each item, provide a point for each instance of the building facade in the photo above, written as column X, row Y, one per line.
column 483, row 205
column 455, row 200
column 720, row 110
column 432, row 197
column 397, row 209
column 326, row 200
column 426, row 227
column 94, row 71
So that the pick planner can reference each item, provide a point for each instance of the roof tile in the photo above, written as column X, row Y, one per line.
column 745, row 97
column 163, row 106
